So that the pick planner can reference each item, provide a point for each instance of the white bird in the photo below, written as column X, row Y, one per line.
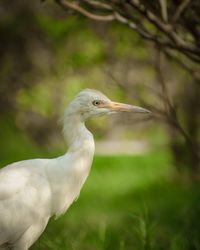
column 32, row 191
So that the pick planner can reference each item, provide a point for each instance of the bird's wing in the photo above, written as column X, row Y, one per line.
column 15, row 177
column 24, row 199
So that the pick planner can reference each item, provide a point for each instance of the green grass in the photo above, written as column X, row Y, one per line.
column 129, row 203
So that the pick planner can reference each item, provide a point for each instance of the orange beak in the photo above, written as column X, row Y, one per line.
column 122, row 107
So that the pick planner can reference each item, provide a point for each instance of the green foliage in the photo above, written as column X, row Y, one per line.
column 37, row 99
column 12, row 138
column 127, row 43
column 73, row 41
column 58, row 30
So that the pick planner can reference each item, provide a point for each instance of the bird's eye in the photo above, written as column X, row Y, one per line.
column 96, row 102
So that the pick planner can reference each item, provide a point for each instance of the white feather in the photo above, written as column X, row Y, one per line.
column 32, row 191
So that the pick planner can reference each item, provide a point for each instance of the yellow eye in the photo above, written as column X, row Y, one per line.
column 96, row 102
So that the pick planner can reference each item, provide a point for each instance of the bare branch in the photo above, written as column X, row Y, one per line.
column 185, row 66
column 76, row 7
column 180, row 10
column 163, row 5
column 142, row 31
column 161, row 80
column 167, row 29
column 145, row 34
column 98, row 4
column 157, row 112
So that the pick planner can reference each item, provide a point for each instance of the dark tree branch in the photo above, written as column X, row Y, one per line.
column 177, row 42
column 180, row 10
column 181, row 62
column 158, row 69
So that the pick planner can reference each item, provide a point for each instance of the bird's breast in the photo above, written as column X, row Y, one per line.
column 74, row 169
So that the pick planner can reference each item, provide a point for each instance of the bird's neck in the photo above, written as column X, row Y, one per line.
column 76, row 133
column 74, row 166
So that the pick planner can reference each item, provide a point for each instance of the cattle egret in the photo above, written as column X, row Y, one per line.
column 32, row 191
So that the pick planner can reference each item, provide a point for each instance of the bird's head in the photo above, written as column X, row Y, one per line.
column 92, row 103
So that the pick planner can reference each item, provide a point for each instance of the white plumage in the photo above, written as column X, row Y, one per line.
column 32, row 191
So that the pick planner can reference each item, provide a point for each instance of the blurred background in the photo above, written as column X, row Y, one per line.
column 143, row 190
